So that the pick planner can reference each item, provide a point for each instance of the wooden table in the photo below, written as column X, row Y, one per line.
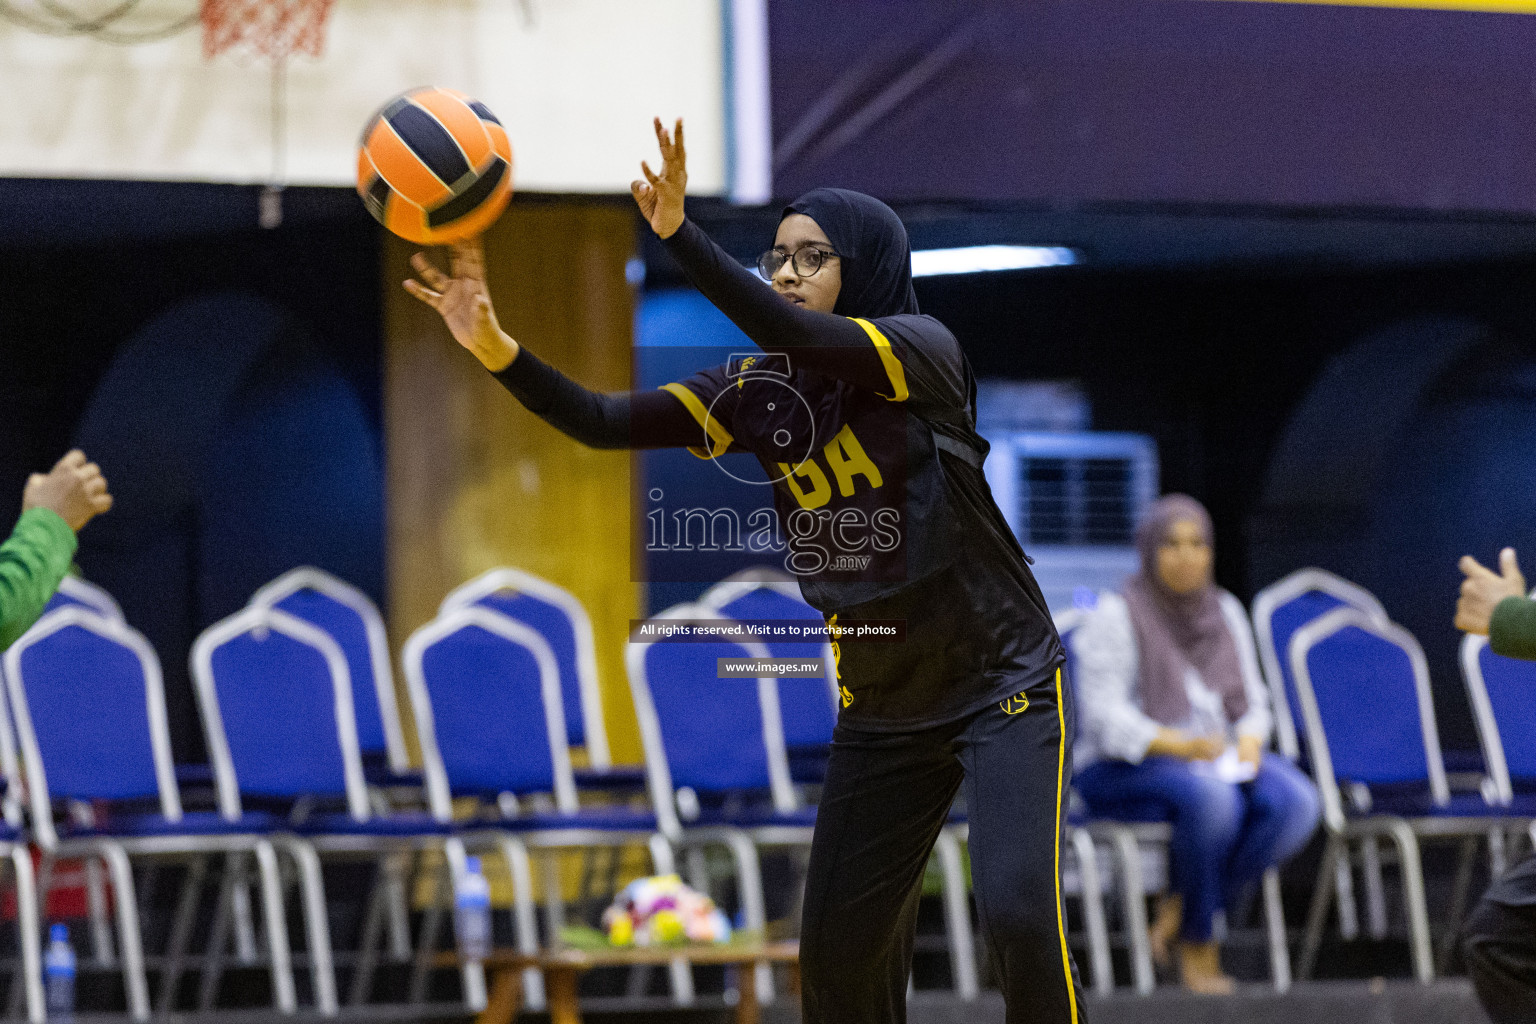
column 563, row 967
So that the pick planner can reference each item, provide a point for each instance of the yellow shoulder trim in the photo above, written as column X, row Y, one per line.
column 717, row 433
column 893, row 370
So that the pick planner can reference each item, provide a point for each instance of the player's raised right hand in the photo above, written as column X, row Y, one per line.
column 660, row 196
column 464, row 303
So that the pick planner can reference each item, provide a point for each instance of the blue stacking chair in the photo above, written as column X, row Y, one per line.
column 1374, row 745
column 351, row 618
column 563, row 623
column 89, row 707
column 1148, row 826
column 808, row 707
column 1278, row 611
column 354, row 622
column 276, row 697
column 75, row 591
column 486, row 696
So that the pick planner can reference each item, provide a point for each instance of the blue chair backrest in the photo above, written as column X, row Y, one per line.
column 89, row 706
column 479, row 689
column 85, row 702
column 1375, row 718
column 559, row 618
column 806, row 705
column 350, row 618
column 1281, row 609
column 284, row 725
column 712, row 735
column 554, row 625
column 346, row 627
column 1290, row 617
column 1507, row 709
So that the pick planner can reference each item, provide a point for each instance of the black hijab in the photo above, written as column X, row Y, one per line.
column 877, row 261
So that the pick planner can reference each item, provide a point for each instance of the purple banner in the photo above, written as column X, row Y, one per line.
column 1182, row 101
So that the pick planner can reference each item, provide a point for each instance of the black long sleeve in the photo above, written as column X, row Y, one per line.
column 831, row 345
column 630, row 419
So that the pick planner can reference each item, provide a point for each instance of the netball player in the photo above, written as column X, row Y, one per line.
column 867, row 428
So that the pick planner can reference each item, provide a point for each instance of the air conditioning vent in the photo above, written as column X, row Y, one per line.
column 1076, row 500
column 1073, row 500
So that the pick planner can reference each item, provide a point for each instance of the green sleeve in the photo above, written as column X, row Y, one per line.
column 32, row 562
column 1512, row 632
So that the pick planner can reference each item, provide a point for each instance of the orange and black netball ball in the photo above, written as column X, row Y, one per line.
column 435, row 166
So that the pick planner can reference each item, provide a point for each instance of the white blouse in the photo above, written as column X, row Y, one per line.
column 1110, row 721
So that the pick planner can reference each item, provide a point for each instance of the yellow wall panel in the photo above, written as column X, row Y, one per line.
column 474, row 480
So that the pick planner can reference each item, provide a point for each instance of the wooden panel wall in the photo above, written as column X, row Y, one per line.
column 474, row 480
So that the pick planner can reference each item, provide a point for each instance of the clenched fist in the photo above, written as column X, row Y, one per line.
column 74, row 488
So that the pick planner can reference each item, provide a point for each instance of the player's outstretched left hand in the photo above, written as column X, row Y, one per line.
column 660, row 196
column 463, row 301
column 1483, row 589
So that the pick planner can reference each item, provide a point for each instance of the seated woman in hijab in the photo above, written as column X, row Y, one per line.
column 1175, row 719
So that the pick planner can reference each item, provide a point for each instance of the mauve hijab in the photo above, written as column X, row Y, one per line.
column 877, row 260
column 1177, row 632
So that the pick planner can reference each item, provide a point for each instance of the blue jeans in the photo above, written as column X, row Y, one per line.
column 1225, row 836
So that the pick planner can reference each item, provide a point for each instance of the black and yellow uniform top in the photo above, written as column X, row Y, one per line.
column 864, row 419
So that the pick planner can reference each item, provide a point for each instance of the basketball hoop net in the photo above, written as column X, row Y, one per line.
column 266, row 28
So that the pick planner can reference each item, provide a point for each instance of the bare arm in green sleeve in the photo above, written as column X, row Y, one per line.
column 38, row 553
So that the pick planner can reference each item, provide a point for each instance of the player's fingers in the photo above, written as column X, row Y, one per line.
column 468, row 258
column 679, row 152
column 96, row 485
column 1473, row 568
column 90, row 469
column 102, row 503
column 429, row 273
column 638, row 188
column 73, row 458
column 650, row 175
column 423, row 293
column 1509, row 566
column 661, row 134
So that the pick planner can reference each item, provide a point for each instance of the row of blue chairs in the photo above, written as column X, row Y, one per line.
column 1353, row 702
column 502, row 685
column 297, row 701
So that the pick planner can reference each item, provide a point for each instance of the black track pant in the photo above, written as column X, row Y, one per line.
column 885, row 799
column 1498, row 942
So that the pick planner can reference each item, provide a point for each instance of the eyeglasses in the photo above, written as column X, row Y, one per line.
column 807, row 261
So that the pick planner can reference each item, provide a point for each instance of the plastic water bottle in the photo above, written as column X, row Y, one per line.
column 59, row 974
column 472, row 912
